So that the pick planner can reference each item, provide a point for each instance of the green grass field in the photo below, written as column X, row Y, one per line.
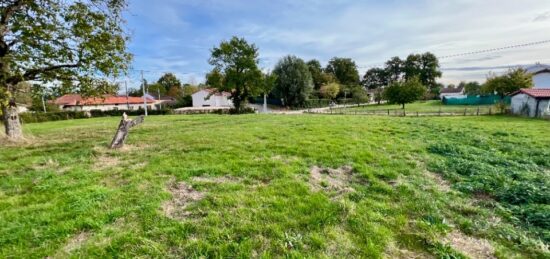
column 421, row 107
column 260, row 186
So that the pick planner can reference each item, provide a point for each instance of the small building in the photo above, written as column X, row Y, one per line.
column 533, row 102
column 209, row 97
column 75, row 102
column 541, row 75
column 451, row 92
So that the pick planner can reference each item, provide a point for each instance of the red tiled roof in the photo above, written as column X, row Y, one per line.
column 75, row 99
column 215, row 92
column 534, row 92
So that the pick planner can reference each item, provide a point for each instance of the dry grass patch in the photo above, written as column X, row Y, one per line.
column 74, row 243
column 105, row 161
column 331, row 179
column 393, row 251
column 183, row 194
column 470, row 246
column 215, row 180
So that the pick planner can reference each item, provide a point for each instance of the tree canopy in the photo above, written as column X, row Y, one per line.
column 508, row 83
column 344, row 70
column 169, row 80
column 471, row 88
column 294, row 82
column 404, row 91
column 237, row 62
column 330, row 91
column 375, row 78
column 425, row 67
column 49, row 41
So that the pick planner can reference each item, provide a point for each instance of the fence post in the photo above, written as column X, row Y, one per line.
column 417, row 114
column 465, row 111
column 388, row 112
column 439, row 112
column 404, row 113
column 477, row 111
column 490, row 112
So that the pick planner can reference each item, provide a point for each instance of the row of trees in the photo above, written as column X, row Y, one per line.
column 293, row 80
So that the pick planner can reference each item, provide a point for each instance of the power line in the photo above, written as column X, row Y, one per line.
column 529, row 44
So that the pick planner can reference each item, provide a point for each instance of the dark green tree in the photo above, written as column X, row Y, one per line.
column 169, row 80
column 472, row 88
column 317, row 74
column 375, row 78
column 344, row 70
column 294, row 82
column 425, row 67
column 394, row 69
column 48, row 41
column 405, row 91
column 237, row 61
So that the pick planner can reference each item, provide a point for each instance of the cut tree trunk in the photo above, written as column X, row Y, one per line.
column 123, row 129
column 11, row 122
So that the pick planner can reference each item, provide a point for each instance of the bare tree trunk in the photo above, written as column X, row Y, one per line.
column 123, row 129
column 11, row 122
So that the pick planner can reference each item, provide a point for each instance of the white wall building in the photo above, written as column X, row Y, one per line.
column 451, row 92
column 541, row 75
column 211, row 98
column 531, row 102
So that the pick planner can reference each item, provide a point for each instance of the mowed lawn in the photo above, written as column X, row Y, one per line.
column 279, row 186
column 432, row 106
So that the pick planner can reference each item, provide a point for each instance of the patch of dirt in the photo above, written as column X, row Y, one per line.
column 74, row 243
column 470, row 246
column 441, row 184
column 182, row 195
column 215, row 180
column 396, row 252
column 105, row 161
column 331, row 179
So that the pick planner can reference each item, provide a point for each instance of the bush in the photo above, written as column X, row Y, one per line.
column 29, row 117
column 100, row 113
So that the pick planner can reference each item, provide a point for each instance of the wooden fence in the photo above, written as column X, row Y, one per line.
column 404, row 113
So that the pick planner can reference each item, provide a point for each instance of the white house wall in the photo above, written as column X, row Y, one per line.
column 542, row 80
column 519, row 101
column 212, row 101
column 110, row 107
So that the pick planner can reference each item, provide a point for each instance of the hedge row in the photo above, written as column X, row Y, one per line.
column 32, row 117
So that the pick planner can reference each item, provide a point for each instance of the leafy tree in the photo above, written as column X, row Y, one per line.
column 175, row 91
column 48, row 41
column 472, row 88
column 394, row 69
column 402, row 92
column 215, row 78
column 330, row 91
column 267, row 84
column 317, row 74
column 344, row 69
column 156, row 90
column 425, row 67
column 237, row 61
column 169, row 80
column 294, row 82
column 189, row 90
column 375, row 78
column 512, row 81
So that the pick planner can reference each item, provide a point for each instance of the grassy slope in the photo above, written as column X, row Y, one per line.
column 63, row 194
column 423, row 106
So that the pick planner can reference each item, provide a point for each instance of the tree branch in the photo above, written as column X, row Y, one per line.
column 8, row 13
column 31, row 74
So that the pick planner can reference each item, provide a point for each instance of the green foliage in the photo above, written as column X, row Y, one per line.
column 344, row 70
column 156, row 90
column 294, row 82
column 50, row 116
column 215, row 79
column 471, row 88
column 394, row 69
column 169, row 80
column 375, row 78
column 316, row 71
column 425, row 67
column 403, row 92
column 237, row 61
column 512, row 81
column 330, row 91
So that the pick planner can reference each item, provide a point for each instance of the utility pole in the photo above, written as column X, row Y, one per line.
column 43, row 104
column 143, row 89
column 127, row 102
column 158, row 93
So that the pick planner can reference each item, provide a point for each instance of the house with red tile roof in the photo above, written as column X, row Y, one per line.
column 75, row 102
column 534, row 102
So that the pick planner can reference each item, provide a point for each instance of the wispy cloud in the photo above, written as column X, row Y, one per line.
column 177, row 35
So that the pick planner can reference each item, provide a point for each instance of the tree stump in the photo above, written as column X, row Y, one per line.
column 123, row 129
column 11, row 122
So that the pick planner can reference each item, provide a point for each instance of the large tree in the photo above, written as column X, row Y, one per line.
column 404, row 91
column 317, row 74
column 508, row 83
column 237, row 62
column 472, row 88
column 49, row 41
column 425, row 67
column 294, row 82
column 394, row 69
column 169, row 80
column 344, row 69
column 375, row 78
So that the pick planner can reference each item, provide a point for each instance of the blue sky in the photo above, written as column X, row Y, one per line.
column 176, row 36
